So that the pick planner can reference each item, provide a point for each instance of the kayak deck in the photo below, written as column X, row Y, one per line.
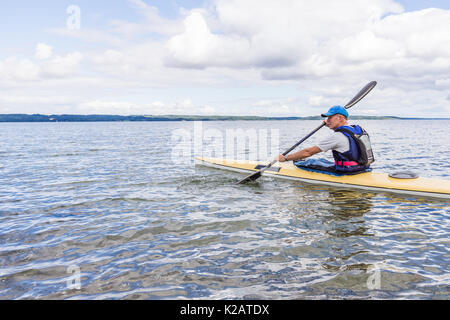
column 374, row 181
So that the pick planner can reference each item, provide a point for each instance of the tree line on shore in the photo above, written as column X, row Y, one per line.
column 105, row 118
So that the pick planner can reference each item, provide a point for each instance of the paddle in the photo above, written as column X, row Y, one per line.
column 364, row 91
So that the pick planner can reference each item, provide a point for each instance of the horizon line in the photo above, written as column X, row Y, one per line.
column 190, row 116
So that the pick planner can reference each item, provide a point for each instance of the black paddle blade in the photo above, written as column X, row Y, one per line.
column 361, row 94
column 252, row 177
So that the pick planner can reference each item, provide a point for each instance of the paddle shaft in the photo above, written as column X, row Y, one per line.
column 361, row 94
column 293, row 147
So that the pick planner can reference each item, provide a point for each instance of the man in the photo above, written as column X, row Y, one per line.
column 343, row 143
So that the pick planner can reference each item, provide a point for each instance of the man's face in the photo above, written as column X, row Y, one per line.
column 334, row 121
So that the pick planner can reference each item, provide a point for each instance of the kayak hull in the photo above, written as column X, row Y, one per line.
column 371, row 181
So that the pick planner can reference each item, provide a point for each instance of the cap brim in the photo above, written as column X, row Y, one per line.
column 325, row 115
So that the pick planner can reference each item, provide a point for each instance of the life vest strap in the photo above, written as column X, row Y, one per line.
column 346, row 163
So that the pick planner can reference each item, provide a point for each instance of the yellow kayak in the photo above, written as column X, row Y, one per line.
column 373, row 181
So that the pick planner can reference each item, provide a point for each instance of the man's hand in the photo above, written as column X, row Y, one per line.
column 300, row 155
column 280, row 158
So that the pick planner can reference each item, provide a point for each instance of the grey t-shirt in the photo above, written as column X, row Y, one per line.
column 335, row 141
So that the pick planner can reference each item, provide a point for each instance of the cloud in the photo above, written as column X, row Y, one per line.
column 153, row 22
column 179, row 107
column 270, row 34
column 15, row 69
column 61, row 66
column 91, row 35
column 109, row 57
column 43, row 51
column 120, row 33
column 47, row 65
column 20, row 102
column 300, row 39
column 199, row 47
column 276, row 107
column 30, row 100
column 328, row 46
column 318, row 101
column 442, row 83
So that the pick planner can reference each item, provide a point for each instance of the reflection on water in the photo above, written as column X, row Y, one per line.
column 101, row 197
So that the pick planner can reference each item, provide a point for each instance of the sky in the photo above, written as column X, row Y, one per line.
column 224, row 57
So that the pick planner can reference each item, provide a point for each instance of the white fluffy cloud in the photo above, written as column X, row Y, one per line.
column 197, row 47
column 61, row 66
column 325, row 44
column 14, row 69
column 43, row 51
column 295, row 39
column 273, row 34
column 46, row 65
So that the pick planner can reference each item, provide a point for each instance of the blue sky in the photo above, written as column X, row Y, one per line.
column 26, row 22
column 243, row 57
column 411, row 5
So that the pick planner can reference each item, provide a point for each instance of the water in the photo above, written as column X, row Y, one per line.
column 101, row 211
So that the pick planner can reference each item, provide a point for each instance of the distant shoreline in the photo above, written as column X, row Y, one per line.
column 115, row 118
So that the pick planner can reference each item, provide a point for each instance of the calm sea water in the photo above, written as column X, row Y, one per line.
column 106, row 211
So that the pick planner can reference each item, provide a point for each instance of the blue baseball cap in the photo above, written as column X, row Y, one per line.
column 336, row 110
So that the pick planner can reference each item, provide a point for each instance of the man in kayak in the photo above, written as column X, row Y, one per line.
column 350, row 146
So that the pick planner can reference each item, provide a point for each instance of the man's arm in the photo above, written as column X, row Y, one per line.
column 300, row 155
